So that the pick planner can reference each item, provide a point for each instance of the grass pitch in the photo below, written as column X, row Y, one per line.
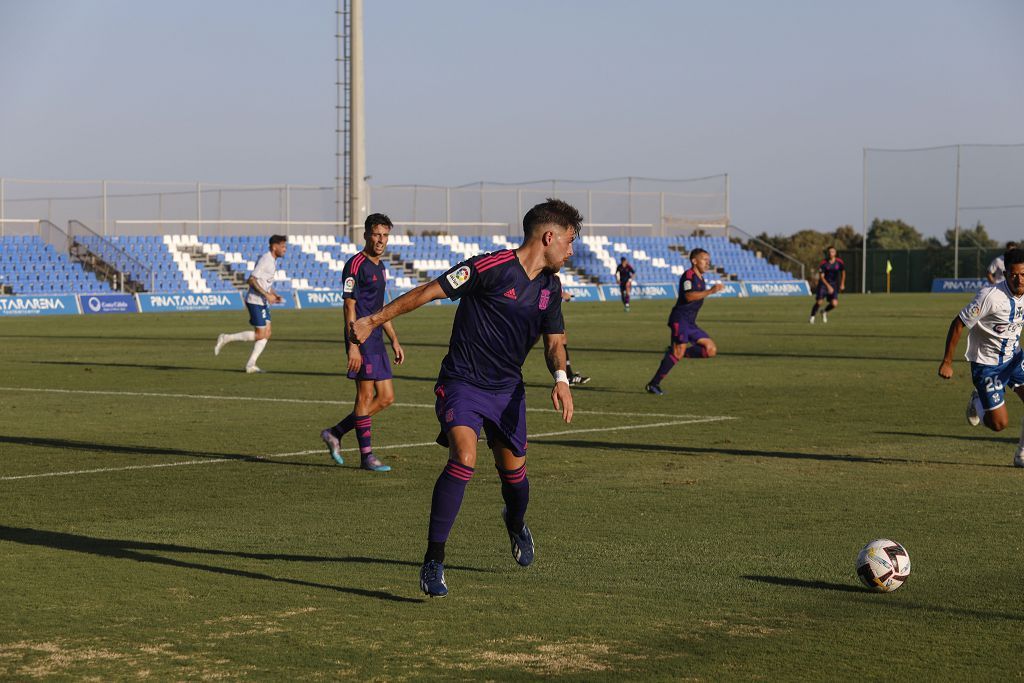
column 152, row 526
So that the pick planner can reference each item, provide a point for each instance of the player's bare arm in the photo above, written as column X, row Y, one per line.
column 410, row 301
column 952, row 339
column 554, row 355
column 355, row 356
column 842, row 282
column 271, row 295
column 389, row 330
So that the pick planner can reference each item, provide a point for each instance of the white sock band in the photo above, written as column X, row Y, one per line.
column 257, row 349
column 248, row 335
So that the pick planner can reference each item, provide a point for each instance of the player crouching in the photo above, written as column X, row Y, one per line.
column 994, row 319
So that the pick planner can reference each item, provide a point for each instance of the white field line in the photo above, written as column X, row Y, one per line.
column 376, row 448
column 207, row 397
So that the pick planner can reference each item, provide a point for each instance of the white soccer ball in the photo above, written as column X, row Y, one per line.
column 883, row 565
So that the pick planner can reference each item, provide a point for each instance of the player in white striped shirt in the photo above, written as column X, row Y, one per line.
column 994, row 319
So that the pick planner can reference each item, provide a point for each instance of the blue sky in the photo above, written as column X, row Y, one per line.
column 782, row 95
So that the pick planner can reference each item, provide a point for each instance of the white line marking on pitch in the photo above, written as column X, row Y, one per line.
column 207, row 397
column 348, row 450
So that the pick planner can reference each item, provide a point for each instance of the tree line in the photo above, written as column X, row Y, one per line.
column 808, row 246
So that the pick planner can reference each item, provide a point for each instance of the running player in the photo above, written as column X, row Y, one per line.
column 683, row 320
column 506, row 300
column 624, row 274
column 994, row 318
column 831, row 281
column 365, row 281
column 995, row 271
column 257, row 300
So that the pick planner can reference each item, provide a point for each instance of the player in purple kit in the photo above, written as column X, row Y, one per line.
column 831, row 281
column 365, row 281
column 683, row 320
column 624, row 274
column 507, row 299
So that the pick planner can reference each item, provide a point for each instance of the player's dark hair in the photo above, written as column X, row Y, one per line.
column 1011, row 245
column 277, row 239
column 1013, row 256
column 697, row 252
column 553, row 211
column 375, row 219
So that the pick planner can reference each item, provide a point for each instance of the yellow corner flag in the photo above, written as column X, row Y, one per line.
column 888, row 266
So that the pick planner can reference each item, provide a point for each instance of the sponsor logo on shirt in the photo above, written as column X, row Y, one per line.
column 458, row 277
column 545, row 298
column 510, row 294
column 350, row 285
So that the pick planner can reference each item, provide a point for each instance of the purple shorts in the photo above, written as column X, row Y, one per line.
column 685, row 333
column 823, row 293
column 501, row 414
column 376, row 366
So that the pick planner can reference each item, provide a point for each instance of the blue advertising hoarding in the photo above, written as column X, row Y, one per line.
column 732, row 289
column 961, row 285
column 778, row 288
column 212, row 301
column 39, row 304
column 324, row 299
column 108, row 303
column 583, row 292
column 659, row 290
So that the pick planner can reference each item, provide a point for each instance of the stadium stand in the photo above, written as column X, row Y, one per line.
column 28, row 265
column 200, row 264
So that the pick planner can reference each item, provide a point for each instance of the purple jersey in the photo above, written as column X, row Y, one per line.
column 831, row 271
column 366, row 281
column 623, row 273
column 686, row 311
column 501, row 313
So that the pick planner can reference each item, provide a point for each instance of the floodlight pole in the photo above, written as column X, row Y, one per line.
column 357, row 130
column 864, row 228
column 956, row 219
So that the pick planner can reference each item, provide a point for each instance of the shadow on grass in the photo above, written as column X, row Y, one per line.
column 129, row 550
column 41, row 442
column 986, row 436
column 804, row 583
column 902, row 604
column 748, row 452
column 236, row 369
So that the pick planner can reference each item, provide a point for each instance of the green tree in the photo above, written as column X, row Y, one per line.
column 973, row 237
column 894, row 234
column 807, row 246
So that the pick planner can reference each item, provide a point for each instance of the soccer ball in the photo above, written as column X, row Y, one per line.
column 883, row 565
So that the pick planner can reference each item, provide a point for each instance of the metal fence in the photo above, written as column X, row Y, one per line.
column 629, row 205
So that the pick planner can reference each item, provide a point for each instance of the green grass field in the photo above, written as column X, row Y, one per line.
column 690, row 549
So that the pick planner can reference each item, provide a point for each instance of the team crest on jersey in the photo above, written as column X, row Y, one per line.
column 545, row 298
column 450, row 415
column 458, row 277
column 350, row 285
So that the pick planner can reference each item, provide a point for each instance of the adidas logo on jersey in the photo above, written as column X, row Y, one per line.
column 511, row 294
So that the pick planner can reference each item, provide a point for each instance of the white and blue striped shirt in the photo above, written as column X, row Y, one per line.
column 994, row 318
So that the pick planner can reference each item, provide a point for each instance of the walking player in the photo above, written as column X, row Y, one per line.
column 506, row 300
column 365, row 282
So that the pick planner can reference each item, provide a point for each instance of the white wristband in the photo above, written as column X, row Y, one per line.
column 560, row 376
